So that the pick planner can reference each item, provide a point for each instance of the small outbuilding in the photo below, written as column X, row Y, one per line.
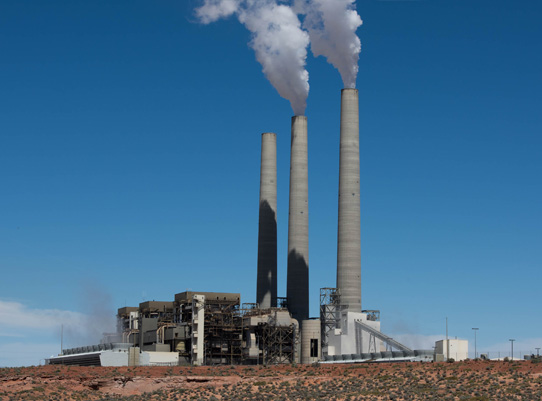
column 455, row 349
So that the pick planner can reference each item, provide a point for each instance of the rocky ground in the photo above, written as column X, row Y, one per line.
column 471, row 380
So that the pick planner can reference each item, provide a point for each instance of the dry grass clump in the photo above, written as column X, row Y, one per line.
column 460, row 381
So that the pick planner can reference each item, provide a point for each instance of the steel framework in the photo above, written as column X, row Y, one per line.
column 279, row 343
column 223, row 334
column 330, row 307
column 282, row 302
column 375, row 334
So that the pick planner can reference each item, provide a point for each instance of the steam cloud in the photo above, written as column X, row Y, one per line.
column 277, row 38
column 332, row 26
column 97, row 304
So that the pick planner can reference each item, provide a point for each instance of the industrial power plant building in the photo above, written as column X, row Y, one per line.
column 210, row 328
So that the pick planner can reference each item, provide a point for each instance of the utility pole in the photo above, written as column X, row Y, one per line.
column 512, row 342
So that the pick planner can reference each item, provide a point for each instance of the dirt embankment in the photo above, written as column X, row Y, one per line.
column 386, row 381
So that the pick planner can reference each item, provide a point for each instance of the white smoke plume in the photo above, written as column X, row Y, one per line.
column 97, row 304
column 277, row 38
column 213, row 10
column 332, row 26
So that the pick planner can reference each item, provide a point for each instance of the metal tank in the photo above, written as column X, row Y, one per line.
column 310, row 341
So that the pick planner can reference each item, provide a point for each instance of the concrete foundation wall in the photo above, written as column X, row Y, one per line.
column 114, row 358
column 163, row 358
column 133, row 356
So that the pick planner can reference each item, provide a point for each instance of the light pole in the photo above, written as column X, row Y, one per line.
column 512, row 343
column 475, row 353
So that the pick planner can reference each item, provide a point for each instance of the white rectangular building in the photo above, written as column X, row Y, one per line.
column 350, row 339
column 456, row 349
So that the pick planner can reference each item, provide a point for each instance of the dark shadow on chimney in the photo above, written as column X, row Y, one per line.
column 297, row 290
column 267, row 255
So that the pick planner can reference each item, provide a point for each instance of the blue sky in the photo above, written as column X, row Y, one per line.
column 129, row 166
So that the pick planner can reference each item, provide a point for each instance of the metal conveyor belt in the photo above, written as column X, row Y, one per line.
column 382, row 336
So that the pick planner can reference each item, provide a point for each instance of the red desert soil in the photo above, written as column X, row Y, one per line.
column 470, row 380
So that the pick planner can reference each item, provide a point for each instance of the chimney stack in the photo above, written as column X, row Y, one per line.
column 266, row 284
column 348, row 238
column 297, row 288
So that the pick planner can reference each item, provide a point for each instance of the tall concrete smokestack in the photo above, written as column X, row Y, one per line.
column 348, row 239
column 297, row 288
column 266, row 286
